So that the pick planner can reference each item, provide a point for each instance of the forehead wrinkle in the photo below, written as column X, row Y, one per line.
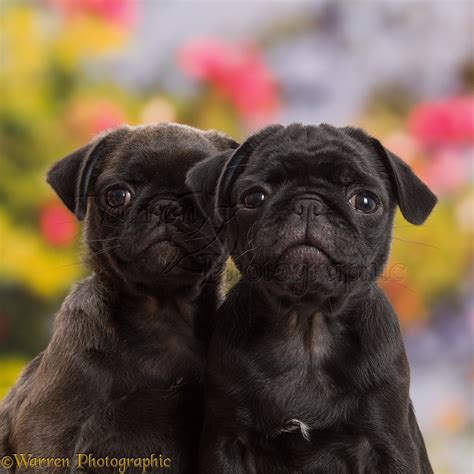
column 167, row 133
column 145, row 163
column 290, row 147
column 311, row 137
column 297, row 148
column 325, row 164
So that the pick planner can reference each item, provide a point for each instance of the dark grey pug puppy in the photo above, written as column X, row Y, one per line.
column 123, row 373
column 307, row 368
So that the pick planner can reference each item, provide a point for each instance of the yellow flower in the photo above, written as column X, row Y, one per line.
column 25, row 257
column 85, row 37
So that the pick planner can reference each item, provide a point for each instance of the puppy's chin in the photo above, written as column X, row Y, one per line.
column 301, row 270
column 167, row 263
column 162, row 254
column 160, row 266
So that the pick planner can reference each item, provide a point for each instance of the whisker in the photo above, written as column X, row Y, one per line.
column 69, row 239
column 111, row 226
column 415, row 242
column 411, row 226
column 67, row 222
column 107, row 212
column 243, row 253
column 198, row 238
column 105, row 250
column 80, row 262
column 102, row 240
column 250, row 240
column 255, row 255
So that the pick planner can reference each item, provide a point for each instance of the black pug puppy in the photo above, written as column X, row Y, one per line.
column 123, row 373
column 307, row 371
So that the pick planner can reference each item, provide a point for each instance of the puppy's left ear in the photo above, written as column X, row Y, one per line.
column 415, row 199
column 71, row 177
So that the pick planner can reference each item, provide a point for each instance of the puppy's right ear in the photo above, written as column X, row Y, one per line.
column 71, row 177
column 238, row 162
column 203, row 179
column 212, row 179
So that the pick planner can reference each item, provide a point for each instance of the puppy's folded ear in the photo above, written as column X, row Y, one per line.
column 238, row 161
column 203, row 179
column 213, row 178
column 71, row 176
column 415, row 199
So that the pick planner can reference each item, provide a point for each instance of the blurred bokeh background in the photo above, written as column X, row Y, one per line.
column 402, row 70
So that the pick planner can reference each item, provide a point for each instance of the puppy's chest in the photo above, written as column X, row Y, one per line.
column 286, row 379
column 294, row 399
column 161, row 350
column 297, row 413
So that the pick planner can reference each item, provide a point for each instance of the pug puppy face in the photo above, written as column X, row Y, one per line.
column 307, row 211
column 142, row 225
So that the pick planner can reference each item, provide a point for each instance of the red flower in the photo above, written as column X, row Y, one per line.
column 120, row 12
column 445, row 122
column 58, row 226
column 236, row 72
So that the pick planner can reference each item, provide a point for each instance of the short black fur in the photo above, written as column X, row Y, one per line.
column 123, row 373
column 307, row 371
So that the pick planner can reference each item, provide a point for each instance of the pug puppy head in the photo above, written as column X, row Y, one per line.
column 142, row 225
column 307, row 211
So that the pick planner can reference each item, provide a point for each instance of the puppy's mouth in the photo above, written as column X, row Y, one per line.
column 305, row 253
column 160, row 252
column 157, row 243
column 163, row 249
column 168, row 256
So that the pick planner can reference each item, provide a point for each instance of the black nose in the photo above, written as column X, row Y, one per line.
column 308, row 206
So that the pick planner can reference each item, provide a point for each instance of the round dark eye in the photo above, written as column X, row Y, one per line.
column 364, row 202
column 118, row 197
column 253, row 200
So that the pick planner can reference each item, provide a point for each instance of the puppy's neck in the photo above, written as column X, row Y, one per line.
column 191, row 308
column 310, row 325
column 362, row 336
column 270, row 300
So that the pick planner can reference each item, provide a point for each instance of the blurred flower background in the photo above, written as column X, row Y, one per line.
column 402, row 70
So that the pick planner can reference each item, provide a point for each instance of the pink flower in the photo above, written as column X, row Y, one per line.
column 120, row 12
column 444, row 122
column 58, row 226
column 446, row 171
column 207, row 59
column 237, row 72
column 105, row 115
